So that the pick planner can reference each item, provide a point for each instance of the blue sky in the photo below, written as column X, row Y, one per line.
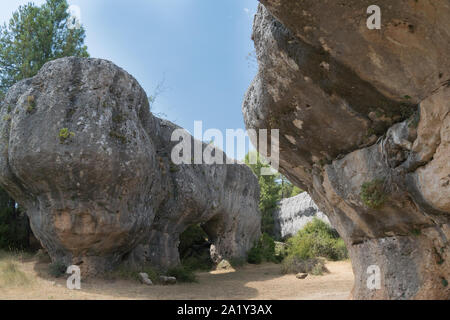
column 199, row 49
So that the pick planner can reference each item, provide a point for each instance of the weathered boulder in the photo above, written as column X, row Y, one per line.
column 144, row 279
column 294, row 213
column 83, row 154
column 364, row 128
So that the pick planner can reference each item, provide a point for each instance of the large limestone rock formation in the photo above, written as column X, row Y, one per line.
column 364, row 119
column 91, row 165
column 294, row 213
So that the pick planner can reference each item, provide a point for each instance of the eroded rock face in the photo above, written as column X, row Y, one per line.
column 294, row 213
column 364, row 127
column 83, row 154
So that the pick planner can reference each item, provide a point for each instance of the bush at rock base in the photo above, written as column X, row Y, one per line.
column 317, row 239
column 306, row 250
column 182, row 274
column 264, row 250
column 194, row 249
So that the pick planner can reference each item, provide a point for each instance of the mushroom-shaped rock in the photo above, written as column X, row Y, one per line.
column 364, row 128
column 91, row 165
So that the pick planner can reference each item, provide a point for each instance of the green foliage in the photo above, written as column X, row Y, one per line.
column 194, row 249
column 182, row 273
column 263, row 250
column 317, row 239
column 31, row 104
column 57, row 269
column 273, row 188
column 308, row 248
column 287, row 189
column 254, row 255
column 65, row 134
column 269, row 192
column 373, row 193
column 237, row 262
column 34, row 36
column 14, row 228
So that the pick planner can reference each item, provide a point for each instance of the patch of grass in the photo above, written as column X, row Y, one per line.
column 65, row 134
column 182, row 274
column 10, row 273
column 444, row 282
column 7, row 118
column 373, row 193
column 295, row 264
column 57, row 269
column 31, row 104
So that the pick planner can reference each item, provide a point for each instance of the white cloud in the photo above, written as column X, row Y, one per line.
column 247, row 10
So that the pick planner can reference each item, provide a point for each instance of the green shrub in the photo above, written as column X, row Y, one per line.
column 373, row 194
column 182, row 274
column 254, row 255
column 200, row 261
column 263, row 250
column 31, row 104
column 57, row 269
column 14, row 226
column 194, row 249
column 65, row 134
column 280, row 249
column 237, row 262
column 317, row 239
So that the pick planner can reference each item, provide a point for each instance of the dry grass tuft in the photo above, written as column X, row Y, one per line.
column 10, row 273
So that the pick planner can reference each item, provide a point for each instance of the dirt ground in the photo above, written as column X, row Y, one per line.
column 248, row 282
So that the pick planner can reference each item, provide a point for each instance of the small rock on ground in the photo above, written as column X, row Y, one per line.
column 143, row 277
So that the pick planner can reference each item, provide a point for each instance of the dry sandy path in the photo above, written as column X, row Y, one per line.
column 249, row 282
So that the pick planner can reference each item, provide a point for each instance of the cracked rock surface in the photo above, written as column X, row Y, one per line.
column 292, row 214
column 364, row 119
column 91, row 165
